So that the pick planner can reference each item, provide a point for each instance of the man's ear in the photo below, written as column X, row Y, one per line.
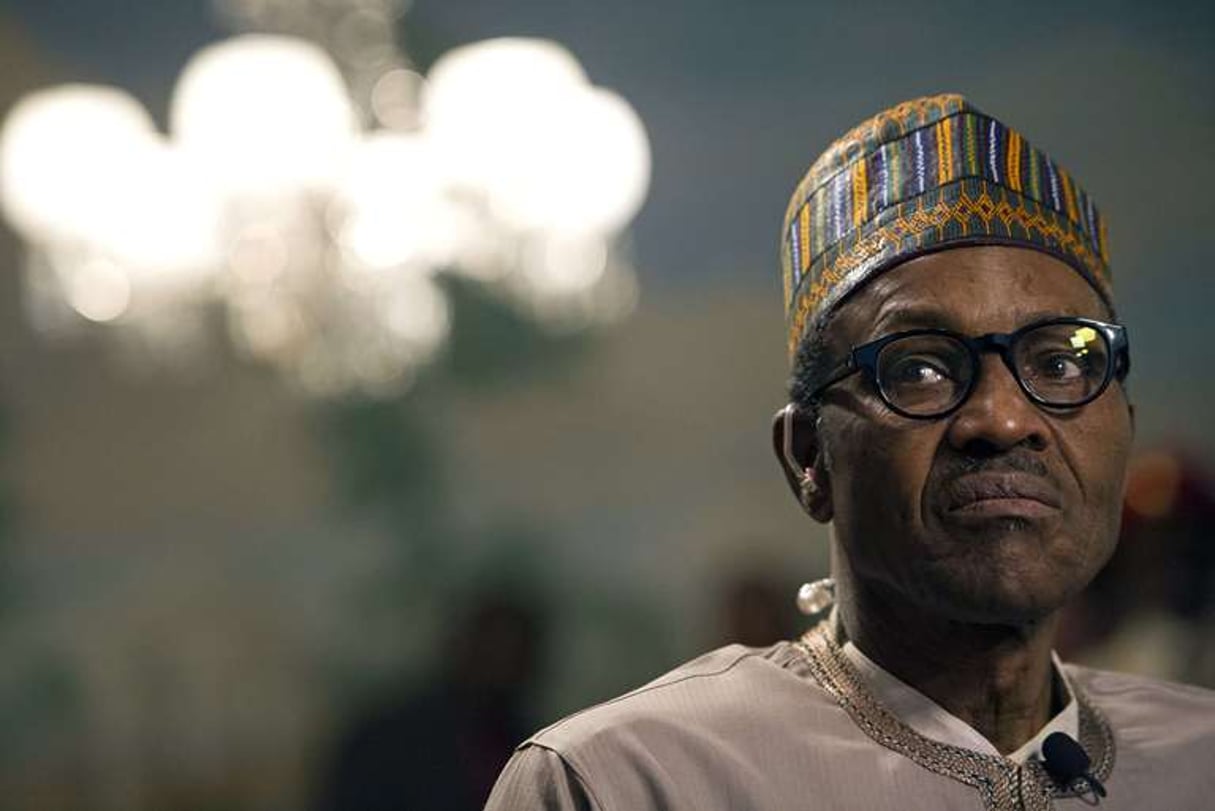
column 799, row 452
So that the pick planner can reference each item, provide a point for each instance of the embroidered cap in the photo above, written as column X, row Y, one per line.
column 927, row 174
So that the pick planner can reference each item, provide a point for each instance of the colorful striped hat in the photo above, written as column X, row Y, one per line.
column 927, row 174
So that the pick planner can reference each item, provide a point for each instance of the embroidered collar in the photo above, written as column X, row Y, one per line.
column 931, row 720
column 1003, row 784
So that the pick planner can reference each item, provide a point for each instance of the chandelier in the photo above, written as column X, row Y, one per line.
column 311, row 186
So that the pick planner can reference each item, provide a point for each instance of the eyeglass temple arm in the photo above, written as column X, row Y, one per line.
column 787, row 414
column 846, row 369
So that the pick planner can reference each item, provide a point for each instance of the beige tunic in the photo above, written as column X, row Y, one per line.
column 794, row 727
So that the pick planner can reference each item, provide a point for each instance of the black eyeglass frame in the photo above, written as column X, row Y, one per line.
column 864, row 358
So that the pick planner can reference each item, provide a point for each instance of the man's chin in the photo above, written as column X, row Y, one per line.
column 1004, row 615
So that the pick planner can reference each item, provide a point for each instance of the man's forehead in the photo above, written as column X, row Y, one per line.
column 968, row 289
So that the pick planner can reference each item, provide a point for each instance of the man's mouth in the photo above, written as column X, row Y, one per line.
column 998, row 495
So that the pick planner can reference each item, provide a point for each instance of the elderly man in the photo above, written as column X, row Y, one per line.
column 960, row 418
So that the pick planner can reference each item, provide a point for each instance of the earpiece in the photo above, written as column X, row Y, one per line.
column 809, row 486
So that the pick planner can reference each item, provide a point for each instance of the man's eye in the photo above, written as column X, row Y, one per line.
column 918, row 372
column 1062, row 366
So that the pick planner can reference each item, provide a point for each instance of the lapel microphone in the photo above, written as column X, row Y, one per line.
column 1066, row 762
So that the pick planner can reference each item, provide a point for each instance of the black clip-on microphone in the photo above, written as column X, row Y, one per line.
column 1066, row 762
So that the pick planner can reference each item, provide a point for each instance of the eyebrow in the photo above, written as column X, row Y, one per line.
column 891, row 320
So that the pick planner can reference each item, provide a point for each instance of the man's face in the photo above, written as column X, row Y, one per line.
column 1002, row 510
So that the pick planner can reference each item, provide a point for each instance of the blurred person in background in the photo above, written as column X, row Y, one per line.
column 440, row 747
column 959, row 417
column 756, row 611
column 1157, row 594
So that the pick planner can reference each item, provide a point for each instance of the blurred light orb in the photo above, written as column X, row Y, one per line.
column 64, row 153
column 265, row 325
column 415, row 311
column 395, row 97
column 521, row 123
column 565, row 266
column 99, row 290
column 258, row 256
column 395, row 210
column 1154, row 484
column 468, row 82
column 263, row 114
column 586, row 170
column 164, row 221
column 482, row 99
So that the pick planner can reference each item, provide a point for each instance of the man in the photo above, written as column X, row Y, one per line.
column 960, row 418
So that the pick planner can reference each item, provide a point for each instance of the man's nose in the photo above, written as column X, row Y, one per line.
column 998, row 415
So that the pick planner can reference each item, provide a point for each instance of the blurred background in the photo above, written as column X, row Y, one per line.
column 374, row 390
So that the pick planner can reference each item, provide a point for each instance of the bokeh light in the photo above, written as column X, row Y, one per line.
column 99, row 290
column 319, row 238
column 395, row 97
column 1153, row 484
column 584, row 168
column 65, row 152
column 263, row 114
column 395, row 210
column 164, row 219
column 521, row 124
column 480, row 98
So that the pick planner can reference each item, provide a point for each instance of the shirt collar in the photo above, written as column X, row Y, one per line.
column 931, row 720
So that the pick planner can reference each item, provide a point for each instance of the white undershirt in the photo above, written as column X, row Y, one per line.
column 931, row 720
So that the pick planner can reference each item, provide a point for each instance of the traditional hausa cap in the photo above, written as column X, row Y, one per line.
column 928, row 174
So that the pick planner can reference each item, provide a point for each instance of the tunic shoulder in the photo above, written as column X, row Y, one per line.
column 1141, row 708
column 719, row 690
column 752, row 728
column 736, row 728
column 538, row 778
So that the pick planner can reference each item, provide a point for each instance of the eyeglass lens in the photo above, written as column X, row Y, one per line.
column 926, row 374
column 1062, row 363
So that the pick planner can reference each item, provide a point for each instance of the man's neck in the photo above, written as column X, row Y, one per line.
column 995, row 678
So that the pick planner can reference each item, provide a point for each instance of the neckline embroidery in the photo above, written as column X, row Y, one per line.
column 1003, row 784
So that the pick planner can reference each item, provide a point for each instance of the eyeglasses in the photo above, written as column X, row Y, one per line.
column 929, row 373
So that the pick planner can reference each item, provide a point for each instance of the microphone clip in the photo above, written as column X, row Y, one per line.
column 1065, row 760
